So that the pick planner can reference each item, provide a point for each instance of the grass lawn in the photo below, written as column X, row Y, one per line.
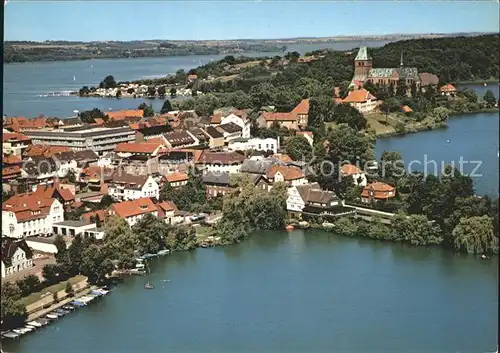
column 377, row 122
column 33, row 297
column 204, row 231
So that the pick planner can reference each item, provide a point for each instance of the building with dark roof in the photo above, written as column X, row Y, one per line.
column 16, row 256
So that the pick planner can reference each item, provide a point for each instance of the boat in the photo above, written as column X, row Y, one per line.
column 289, row 227
column 28, row 328
column 68, row 307
column 447, row 141
column 11, row 335
column 148, row 286
column 485, row 84
column 52, row 316
column 74, row 78
column 18, row 331
column 35, row 324
column 163, row 252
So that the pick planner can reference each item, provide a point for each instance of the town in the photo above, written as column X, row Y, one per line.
column 99, row 193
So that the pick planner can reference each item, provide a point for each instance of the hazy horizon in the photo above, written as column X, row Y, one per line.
column 240, row 20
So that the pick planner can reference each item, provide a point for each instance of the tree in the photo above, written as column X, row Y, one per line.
column 475, row 235
column 489, row 98
column 299, row 149
column 390, row 105
column 105, row 202
column 206, row 104
column 173, row 92
column 344, row 113
column 69, row 289
column 119, row 242
column 441, row 114
column 50, row 273
column 162, row 91
column 60, row 244
column 84, row 91
column 118, row 94
column 89, row 116
column 150, row 232
column 55, row 297
column 415, row 229
column 13, row 311
column 392, row 166
column 148, row 109
column 95, row 264
column 151, row 91
column 166, row 107
column 75, row 254
column 321, row 110
column 108, row 82
column 29, row 284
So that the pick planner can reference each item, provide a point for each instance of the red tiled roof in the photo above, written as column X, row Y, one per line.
column 6, row 136
column 428, row 79
column 157, row 140
column 349, row 169
column 11, row 172
column 11, row 159
column 448, row 88
column 380, row 190
column 28, row 206
column 44, row 150
column 308, row 133
column 100, row 214
column 288, row 172
column 142, row 147
column 123, row 114
column 192, row 77
column 176, row 176
column 282, row 157
column 359, row 96
column 166, row 206
column 47, row 191
column 216, row 119
column 136, row 207
column 406, row 109
column 302, row 107
column 270, row 116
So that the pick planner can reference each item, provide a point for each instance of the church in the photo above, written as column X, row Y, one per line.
column 364, row 72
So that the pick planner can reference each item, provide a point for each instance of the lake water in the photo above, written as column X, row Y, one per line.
column 279, row 292
column 24, row 83
column 304, row 291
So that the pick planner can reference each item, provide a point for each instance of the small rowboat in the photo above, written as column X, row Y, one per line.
column 289, row 227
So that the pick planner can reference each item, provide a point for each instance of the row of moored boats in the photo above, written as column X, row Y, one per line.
column 55, row 314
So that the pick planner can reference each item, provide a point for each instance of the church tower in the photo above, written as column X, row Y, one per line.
column 362, row 63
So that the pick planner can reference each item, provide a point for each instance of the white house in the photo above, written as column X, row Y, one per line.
column 132, row 211
column 243, row 123
column 130, row 187
column 310, row 195
column 257, row 144
column 16, row 256
column 169, row 212
column 220, row 162
column 362, row 100
column 350, row 170
column 291, row 176
column 25, row 215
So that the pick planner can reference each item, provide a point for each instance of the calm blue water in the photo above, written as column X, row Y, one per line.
column 474, row 138
column 25, row 82
column 291, row 292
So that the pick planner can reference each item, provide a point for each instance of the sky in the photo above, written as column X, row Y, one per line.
column 231, row 19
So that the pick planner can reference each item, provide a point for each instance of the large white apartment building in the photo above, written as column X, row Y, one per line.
column 97, row 139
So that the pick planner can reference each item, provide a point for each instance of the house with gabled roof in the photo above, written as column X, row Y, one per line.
column 357, row 175
column 377, row 191
column 30, row 214
column 124, row 186
column 133, row 210
column 362, row 100
column 16, row 256
column 311, row 198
